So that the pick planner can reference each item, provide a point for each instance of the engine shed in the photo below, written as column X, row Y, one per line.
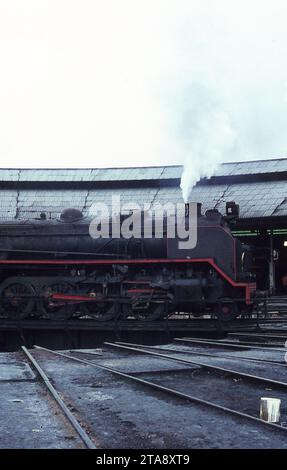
column 259, row 187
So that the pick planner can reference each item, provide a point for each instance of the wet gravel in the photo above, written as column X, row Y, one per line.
column 29, row 418
column 123, row 414
column 118, row 413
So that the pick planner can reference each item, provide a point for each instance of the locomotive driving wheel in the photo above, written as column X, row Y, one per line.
column 101, row 310
column 54, row 309
column 227, row 309
column 17, row 299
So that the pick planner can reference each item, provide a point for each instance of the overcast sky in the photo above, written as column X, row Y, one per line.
column 141, row 82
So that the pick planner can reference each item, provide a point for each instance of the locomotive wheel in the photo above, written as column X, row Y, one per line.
column 227, row 309
column 16, row 299
column 54, row 310
column 101, row 311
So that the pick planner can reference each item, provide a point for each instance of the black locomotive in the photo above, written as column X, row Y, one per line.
column 55, row 269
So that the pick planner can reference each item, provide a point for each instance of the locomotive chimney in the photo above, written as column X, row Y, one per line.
column 198, row 209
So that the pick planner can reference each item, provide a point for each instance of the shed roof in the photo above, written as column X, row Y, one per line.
column 258, row 167
column 257, row 198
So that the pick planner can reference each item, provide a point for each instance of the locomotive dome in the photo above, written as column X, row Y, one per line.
column 71, row 215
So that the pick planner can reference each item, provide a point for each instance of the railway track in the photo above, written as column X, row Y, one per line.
column 196, row 352
column 191, row 362
column 229, row 344
column 174, row 392
column 59, row 400
column 260, row 336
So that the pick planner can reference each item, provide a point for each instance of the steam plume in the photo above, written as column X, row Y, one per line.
column 211, row 138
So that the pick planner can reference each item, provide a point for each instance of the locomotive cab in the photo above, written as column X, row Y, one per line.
column 221, row 266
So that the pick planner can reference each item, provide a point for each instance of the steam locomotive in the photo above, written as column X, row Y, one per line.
column 54, row 269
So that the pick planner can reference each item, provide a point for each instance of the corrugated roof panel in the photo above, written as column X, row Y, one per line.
column 141, row 173
column 126, row 174
column 252, row 167
column 137, row 196
column 170, row 172
column 9, row 175
column 255, row 199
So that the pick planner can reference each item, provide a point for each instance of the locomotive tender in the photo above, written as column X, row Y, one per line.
column 55, row 269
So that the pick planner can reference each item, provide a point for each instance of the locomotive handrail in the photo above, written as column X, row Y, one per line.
column 12, row 250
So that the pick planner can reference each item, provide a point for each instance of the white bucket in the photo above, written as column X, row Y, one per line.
column 270, row 409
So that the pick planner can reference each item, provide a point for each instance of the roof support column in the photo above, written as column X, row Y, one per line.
column 271, row 266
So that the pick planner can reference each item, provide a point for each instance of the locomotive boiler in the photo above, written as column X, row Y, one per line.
column 55, row 269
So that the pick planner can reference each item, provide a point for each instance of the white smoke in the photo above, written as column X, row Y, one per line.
column 130, row 83
column 211, row 138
